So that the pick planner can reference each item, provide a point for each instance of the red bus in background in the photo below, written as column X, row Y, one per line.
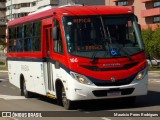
column 74, row 53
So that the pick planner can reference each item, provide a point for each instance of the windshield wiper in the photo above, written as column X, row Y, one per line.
column 105, row 35
column 93, row 57
column 105, row 38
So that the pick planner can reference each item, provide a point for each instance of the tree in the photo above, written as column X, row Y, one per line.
column 156, row 42
column 148, row 42
column 2, row 44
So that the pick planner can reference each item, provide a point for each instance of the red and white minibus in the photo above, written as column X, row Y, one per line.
column 74, row 53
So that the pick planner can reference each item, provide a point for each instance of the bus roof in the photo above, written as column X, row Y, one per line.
column 73, row 11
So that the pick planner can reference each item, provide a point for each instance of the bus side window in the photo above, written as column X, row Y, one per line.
column 9, row 41
column 19, row 45
column 58, row 45
column 27, row 37
column 36, row 37
column 12, row 39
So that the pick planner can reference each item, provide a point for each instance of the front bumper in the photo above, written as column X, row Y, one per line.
column 78, row 91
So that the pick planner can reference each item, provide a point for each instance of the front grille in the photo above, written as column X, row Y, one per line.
column 103, row 93
column 116, row 82
column 96, row 68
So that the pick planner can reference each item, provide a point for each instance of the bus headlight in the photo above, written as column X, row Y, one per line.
column 141, row 74
column 81, row 78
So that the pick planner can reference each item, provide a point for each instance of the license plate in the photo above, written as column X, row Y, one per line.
column 114, row 93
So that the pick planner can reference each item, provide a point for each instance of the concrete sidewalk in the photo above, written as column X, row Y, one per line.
column 154, row 75
column 7, row 118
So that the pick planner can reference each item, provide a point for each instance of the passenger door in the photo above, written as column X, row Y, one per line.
column 48, row 46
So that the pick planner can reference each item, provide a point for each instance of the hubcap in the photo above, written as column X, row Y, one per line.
column 64, row 98
column 24, row 88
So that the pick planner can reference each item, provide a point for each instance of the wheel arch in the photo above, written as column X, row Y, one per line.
column 58, row 86
column 21, row 80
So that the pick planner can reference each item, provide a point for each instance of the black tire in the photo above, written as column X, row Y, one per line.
column 24, row 91
column 62, row 99
column 67, row 104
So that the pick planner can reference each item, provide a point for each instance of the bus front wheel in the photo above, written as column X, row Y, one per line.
column 67, row 104
column 62, row 100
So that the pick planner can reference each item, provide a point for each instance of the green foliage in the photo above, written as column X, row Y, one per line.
column 152, row 42
column 2, row 63
column 3, row 68
column 147, row 38
column 2, row 44
column 156, row 42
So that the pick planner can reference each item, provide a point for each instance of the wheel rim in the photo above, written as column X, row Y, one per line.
column 64, row 98
column 24, row 88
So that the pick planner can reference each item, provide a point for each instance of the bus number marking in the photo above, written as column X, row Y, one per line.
column 74, row 60
column 24, row 67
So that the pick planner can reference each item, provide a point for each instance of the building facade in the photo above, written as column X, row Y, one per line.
column 152, row 12
column 85, row 2
column 2, row 19
column 20, row 8
column 147, row 11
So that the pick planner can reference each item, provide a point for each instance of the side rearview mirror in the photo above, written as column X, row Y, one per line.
column 139, row 26
column 136, row 18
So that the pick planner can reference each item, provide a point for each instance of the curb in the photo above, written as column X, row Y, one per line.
column 3, row 71
column 154, row 71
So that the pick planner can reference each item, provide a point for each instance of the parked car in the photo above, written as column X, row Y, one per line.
column 153, row 62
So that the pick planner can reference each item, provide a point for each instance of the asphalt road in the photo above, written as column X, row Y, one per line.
column 10, row 100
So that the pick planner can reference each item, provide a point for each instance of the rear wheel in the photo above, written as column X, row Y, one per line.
column 24, row 91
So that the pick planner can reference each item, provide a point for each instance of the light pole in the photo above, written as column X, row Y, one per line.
column 11, row 10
